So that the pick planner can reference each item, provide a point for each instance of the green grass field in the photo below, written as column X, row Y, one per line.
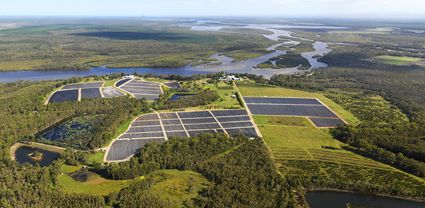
column 96, row 157
column 175, row 186
column 178, row 187
column 282, row 121
column 225, row 91
column 279, row 136
column 285, row 92
column 95, row 184
column 400, row 60
column 110, row 83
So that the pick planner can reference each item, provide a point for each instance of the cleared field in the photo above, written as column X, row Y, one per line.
column 160, row 127
column 110, row 92
column 177, row 187
column 282, row 121
column 306, row 107
column 284, row 92
column 290, row 136
column 64, row 96
column 83, row 85
column 400, row 60
column 226, row 100
column 92, row 183
column 141, row 89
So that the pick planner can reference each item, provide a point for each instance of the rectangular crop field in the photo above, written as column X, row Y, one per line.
column 282, row 121
column 400, row 60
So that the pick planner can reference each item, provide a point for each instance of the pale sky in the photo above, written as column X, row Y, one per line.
column 284, row 8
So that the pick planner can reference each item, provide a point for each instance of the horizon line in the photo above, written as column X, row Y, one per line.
column 383, row 18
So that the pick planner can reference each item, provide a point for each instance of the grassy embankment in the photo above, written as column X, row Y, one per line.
column 304, row 152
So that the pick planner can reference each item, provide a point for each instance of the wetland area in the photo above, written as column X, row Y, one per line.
column 226, row 63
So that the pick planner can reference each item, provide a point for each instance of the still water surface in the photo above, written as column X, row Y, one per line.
column 331, row 199
column 22, row 156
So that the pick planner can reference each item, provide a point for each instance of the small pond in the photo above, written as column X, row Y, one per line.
column 331, row 199
column 179, row 96
column 34, row 155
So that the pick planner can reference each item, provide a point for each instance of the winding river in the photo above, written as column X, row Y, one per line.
column 227, row 65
